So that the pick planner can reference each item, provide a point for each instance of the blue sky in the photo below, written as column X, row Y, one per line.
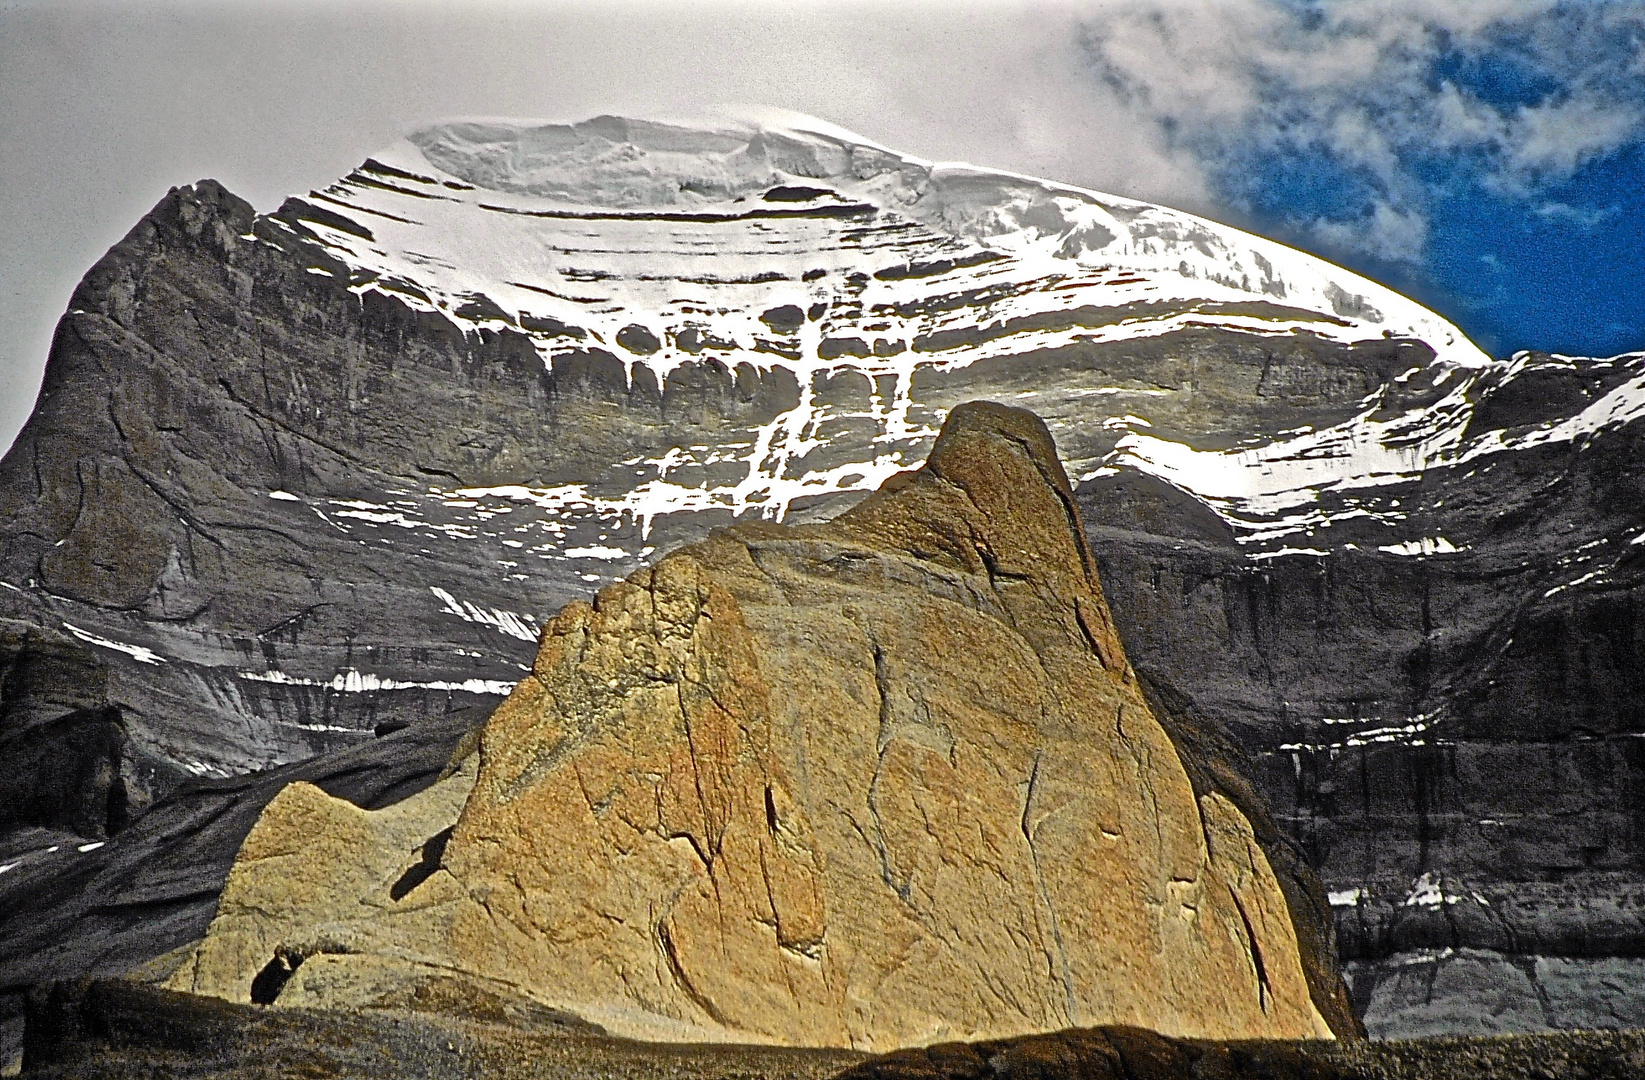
column 1484, row 156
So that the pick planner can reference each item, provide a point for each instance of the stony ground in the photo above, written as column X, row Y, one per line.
column 115, row 1030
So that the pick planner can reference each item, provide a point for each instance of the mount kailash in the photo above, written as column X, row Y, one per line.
column 293, row 477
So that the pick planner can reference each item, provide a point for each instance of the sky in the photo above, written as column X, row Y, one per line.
column 1484, row 156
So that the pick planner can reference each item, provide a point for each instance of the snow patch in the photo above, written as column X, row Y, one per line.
column 1427, row 892
column 1406, row 733
column 1425, row 546
column 1584, row 579
column 375, row 517
column 596, row 551
column 515, row 625
column 136, row 652
column 1277, row 553
column 1120, row 423
column 357, row 682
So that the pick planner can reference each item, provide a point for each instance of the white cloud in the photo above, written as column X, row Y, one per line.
column 1373, row 85
column 1586, row 219
column 1389, row 233
column 1557, row 137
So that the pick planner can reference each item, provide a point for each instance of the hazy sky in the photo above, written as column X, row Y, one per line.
column 1484, row 155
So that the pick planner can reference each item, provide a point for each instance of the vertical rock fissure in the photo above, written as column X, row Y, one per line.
column 671, row 957
column 707, row 846
column 1070, row 1003
column 882, row 742
column 1264, row 990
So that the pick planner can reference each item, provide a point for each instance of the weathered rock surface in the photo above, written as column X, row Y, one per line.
column 62, row 742
column 875, row 782
column 136, row 506
column 1452, row 736
column 1482, row 992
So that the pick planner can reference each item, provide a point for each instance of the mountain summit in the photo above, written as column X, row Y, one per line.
column 808, row 253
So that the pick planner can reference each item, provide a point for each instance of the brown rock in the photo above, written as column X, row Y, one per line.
column 882, row 781
column 320, row 881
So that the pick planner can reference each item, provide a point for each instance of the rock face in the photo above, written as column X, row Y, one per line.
column 62, row 742
column 137, row 511
column 104, row 908
column 874, row 782
column 1449, row 726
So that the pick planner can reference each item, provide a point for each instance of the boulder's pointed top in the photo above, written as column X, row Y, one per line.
column 1006, row 462
column 992, row 421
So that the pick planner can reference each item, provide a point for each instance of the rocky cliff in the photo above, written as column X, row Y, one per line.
column 867, row 783
column 1449, row 725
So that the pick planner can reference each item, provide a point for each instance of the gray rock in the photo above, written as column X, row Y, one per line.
column 1479, row 991
column 70, row 909
column 62, row 743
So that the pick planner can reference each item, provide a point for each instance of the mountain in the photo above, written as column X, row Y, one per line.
column 296, row 476
column 465, row 403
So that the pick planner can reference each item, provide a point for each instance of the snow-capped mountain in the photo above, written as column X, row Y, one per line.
column 293, row 476
column 792, row 246
column 809, row 253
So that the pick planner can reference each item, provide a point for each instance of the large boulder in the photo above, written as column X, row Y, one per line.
column 880, row 781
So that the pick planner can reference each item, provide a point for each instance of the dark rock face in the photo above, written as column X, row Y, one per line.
column 198, row 372
column 63, row 745
column 1477, row 785
column 65, row 774
column 136, row 499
